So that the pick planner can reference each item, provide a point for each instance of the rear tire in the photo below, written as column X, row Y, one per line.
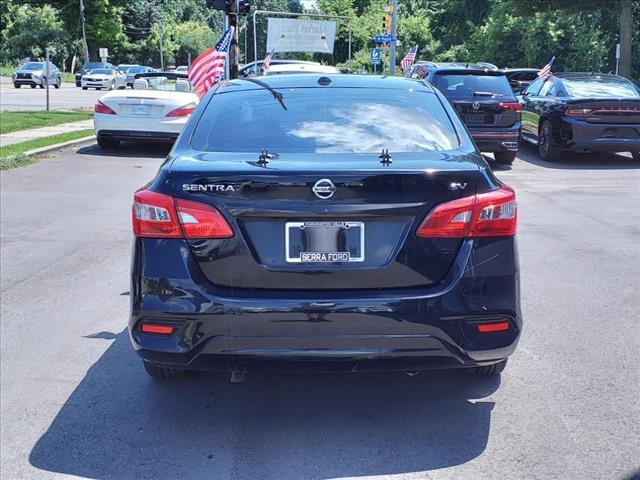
column 490, row 370
column 635, row 156
column 113, row 85
column 58, row 83
column 164, row 373
column 16, row 85
column 108, row 143
column 504, row 158
column 546, row 146
column 84, row 88
column 33, row 86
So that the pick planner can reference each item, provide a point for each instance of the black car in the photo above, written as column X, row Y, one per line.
column 294, row 225
column 131, row 72
column 484, row 100
column 87, row 67
column 520, row 78
column 582, row 112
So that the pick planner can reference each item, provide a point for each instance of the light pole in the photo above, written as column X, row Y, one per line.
column 46, row 75
column 394, row 32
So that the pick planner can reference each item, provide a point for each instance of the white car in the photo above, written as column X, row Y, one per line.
column 182, row 69
column 289, row 68
column 106, row 78
column 156, row 109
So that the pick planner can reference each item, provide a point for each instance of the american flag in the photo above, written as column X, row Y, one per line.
column 408, row 60
column 205, row 70
column 267, row 62
column 546, row 70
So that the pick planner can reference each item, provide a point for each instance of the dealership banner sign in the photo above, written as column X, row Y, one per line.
column 288, row 35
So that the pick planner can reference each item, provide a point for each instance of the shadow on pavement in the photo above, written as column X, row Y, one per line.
column 118, row 423
column 578, row 161
column 129, row 149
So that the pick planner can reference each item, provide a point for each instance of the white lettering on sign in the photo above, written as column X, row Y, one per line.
column 289, row 35
column 327, row 257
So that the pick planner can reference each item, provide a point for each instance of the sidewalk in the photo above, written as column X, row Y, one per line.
column 26, row 135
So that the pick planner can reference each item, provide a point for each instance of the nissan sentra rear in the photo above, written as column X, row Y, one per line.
column 324, row 222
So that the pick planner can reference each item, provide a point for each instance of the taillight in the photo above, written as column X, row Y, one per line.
column 515, row 106
column 156, row 329
column 157, row 215
column 578, row 112
column 182, row 111
column 490, row 214
column 493, row 327
column 102, row 108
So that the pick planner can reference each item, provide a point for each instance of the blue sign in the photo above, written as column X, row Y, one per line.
column 384, row 39
column 374, row 58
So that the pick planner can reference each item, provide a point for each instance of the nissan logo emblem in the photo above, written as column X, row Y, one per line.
column 476, row 105
column 324, row 189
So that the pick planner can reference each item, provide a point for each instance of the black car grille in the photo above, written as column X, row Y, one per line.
column 24, row 75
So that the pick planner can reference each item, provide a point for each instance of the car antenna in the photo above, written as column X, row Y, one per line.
column 264, row 157
column 385, row 158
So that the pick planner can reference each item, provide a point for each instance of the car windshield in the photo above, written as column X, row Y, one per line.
column 319, row 120
column 136, row 69
column 166, row 84
column 32, row 66
column 101, row 71
column 91, row 66
column 470, row 85
column 600, row 88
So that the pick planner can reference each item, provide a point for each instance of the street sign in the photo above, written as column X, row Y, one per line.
column 104, row 52
column 374, row 58
column 384, row 39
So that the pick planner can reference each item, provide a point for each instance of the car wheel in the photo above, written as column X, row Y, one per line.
column 33, row 86
column 78, row 84
column 547, row 148
column 108, row 143
column 164, row 373
column 113, row 85
column 504, row 158
column 489, row 370
column 635, row 156
column 58, row 83
column 44, row 80
column 84, row 88
column 16, row 85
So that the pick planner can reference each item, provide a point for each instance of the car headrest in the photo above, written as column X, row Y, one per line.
column 140, row 84
column 182, row 86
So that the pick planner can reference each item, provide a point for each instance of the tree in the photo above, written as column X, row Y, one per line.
column 30, row 31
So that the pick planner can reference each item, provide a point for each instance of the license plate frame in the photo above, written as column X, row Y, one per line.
column 325, row 257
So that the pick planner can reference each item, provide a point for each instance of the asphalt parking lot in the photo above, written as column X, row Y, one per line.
column 76, row 402
column 67, row 97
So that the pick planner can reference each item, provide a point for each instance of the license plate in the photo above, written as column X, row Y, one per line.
column 324, row 242
column 474, row 117
column 141, row 110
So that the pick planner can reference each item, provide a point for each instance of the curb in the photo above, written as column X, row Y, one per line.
column 37, row 151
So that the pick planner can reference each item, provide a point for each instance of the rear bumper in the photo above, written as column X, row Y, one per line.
column 121, row 127
column 434, row 327
column 581, row 136
column 133, row 135
column 496, row 140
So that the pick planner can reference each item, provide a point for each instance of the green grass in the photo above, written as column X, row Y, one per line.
column 14, row 121
column 12, row 156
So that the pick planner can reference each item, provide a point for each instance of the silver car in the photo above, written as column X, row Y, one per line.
column 34, row 74
column 107, row 78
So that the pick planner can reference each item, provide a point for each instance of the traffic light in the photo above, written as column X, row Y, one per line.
column 244, row 7
column 386, row 24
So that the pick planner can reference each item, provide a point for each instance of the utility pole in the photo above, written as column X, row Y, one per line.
column 161, row 43
column 84, row 34
column 394, row 32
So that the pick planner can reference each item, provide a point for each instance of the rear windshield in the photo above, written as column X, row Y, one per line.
column 467, row 86
column 600, row 88
column 90, row 66
column 324, row 120
column 136, row 69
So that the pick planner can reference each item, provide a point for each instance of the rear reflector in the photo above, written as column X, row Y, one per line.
column 578, row 112
column 490, row 214
column 157, row 215
column 515, row 106
column 157, row 329
column 102, row 108
column 493, row 327
column 183, row 111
